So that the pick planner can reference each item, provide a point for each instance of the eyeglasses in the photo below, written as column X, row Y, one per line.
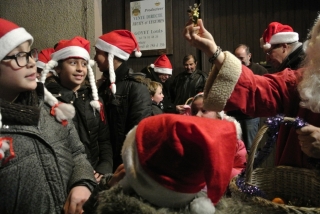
column 22, row 58
column 270, row 51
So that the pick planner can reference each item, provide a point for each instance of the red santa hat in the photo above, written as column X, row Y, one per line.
column 119, row 43
column 44, row 57
column 11, row 36
column 162, row 65
column 277, row 33
column 77, row 47
column 169, row 158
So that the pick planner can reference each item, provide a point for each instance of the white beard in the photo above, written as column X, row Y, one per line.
column 309, row 87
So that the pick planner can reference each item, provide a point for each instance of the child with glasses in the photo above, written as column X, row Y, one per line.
column 44, row 168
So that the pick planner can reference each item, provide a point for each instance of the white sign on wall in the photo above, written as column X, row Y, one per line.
column 148, row 23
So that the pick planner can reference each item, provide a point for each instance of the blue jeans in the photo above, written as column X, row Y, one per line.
column 249, row 127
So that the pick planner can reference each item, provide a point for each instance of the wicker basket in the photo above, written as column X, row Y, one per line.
column 282, row 181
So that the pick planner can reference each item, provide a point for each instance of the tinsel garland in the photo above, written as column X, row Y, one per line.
column 273, row 124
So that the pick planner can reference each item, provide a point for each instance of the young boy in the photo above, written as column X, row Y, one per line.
column 73, row 67
column 45, row 169
column 156, row 94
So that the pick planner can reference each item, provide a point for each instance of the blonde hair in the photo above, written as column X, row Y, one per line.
column 152, row 86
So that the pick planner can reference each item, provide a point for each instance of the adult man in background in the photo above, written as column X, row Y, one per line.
column 282, row 47
column 249, row 125
column 242, row 52
column 188, row 83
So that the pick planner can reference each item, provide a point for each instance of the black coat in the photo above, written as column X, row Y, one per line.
column 93, row 132
column 157, row 108
column 126, row 108
column 186, row 85
column 168, row 106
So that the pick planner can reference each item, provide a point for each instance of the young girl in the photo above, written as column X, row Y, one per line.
column 71, row 61
column 44, row 168
column 241, row 152
column 155, row 89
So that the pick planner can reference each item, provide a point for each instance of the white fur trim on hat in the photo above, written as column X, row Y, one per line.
column 13, row 39
column 163, row 70
column 107, row 47
column 220, row 83
column 279, row 38
column 284, row 37
column 143, row 184
column 69, row 52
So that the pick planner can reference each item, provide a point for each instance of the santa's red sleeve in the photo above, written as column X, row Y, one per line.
column 235, row 86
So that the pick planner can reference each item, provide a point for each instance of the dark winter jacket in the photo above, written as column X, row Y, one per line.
column 93, row 132
column 186, row 85
column 49, row 158
column 126, row 108
column 168, row 106
column 157, row 108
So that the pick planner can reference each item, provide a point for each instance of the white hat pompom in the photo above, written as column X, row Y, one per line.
column 152, row 65
column 4, row 147
column 138, row 54
column 64, row 111
column 267, row 46
column 202, row 205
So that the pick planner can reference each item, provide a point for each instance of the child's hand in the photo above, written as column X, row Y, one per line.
column 98, row 176
column 76, row 198
column 180, row 109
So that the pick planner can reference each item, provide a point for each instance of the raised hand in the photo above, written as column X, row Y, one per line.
column 199, row 37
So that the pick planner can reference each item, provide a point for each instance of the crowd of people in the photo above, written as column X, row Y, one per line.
column 65, row 135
